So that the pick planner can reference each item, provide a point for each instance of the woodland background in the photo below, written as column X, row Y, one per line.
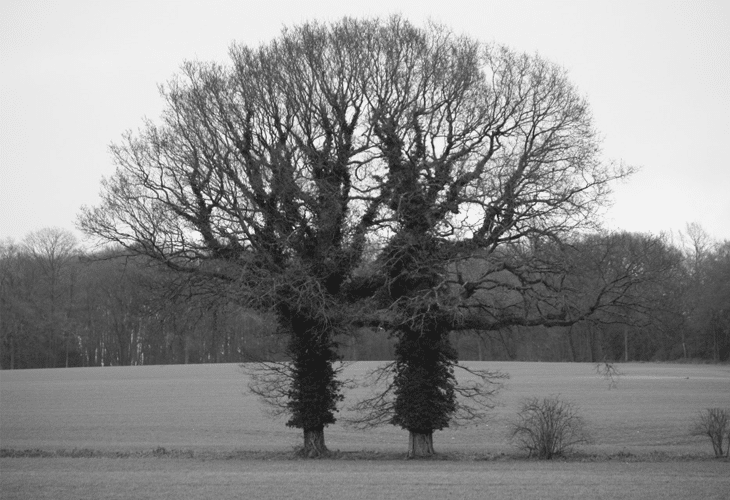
column 63, row 306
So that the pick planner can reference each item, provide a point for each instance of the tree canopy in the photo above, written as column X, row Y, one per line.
column 347, row 173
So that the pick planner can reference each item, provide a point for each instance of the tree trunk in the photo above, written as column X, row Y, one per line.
column 420, row 445
column 571, row 345
column 314, row 446
column 591, row 338
column 12, row 352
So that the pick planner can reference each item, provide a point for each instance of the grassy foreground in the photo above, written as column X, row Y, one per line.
column 218, row 441
column 83, row 478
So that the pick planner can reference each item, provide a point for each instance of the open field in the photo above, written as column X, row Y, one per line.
column 205, row 411
column 92, row 478
column 199, row 407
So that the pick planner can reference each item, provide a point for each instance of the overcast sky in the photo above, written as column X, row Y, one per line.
column 74, row 75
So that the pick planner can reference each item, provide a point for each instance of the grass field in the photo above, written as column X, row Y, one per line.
column 92, row 479
column 205, row 412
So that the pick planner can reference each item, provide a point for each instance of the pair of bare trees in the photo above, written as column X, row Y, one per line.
column 366, row 172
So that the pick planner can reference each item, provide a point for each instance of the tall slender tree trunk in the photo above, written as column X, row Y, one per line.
column 505, row 344
column 420, row 444
column 69, row 313
column 571, row 345
column 12, row 351
column 591, row 338
column 186, row 349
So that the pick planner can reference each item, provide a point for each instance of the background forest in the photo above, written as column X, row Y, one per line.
column 61, row 306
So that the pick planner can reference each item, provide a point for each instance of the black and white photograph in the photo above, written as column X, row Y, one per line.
column 364, row 250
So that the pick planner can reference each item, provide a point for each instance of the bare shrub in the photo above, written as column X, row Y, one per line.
column 548, row 427
column 715, row 424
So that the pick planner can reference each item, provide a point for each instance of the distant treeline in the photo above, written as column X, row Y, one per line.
column 62, row 307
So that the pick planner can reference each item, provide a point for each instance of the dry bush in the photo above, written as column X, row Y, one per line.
column 715, row 424
column 548, row 427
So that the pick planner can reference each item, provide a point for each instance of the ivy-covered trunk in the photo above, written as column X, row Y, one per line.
column 315, row 390
column 424, row 387
column 423, row 381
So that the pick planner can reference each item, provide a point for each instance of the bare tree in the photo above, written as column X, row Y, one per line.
column 489, row 163
column 342, row 174
column 12, row 287
column 248, row 185
column 52, row 249
column 706, row 295
column 625, row 286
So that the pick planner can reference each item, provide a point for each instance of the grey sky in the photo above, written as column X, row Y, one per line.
column 74, row 75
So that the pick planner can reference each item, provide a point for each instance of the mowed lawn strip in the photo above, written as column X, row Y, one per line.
column 208, row 407
column 84, row 478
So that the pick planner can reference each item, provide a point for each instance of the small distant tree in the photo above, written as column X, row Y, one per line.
column 52, row 251
column 547, row 428
column 715, row 424
column 707, row 296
